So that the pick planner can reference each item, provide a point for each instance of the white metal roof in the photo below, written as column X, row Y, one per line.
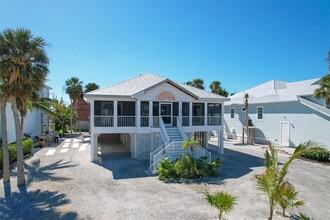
column 276, row 91
column 135, row 85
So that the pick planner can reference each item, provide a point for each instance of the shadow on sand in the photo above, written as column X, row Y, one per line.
column 123, row 166
column 236, row 164
column 34, row 204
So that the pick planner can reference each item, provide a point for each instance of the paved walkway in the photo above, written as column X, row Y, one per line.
column 68, row 143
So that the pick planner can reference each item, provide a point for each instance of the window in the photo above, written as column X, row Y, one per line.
column 260, row 113
column 243, row 109
column 232, row 113
column 213, row 109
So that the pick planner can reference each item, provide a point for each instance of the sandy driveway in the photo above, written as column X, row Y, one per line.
column 64, row 184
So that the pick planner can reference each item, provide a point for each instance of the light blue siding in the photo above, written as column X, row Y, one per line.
column 305, row 123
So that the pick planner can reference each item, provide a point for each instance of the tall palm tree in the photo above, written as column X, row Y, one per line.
column 198, row 83
column 246, row 106
column 91, row 87
column 215, row 87
column 26, row 62
column 323, row 92
column 74, row 88
column 221, row 200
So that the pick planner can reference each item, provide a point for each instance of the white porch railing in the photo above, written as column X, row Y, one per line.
column 179, row 125
column 144, row 121
column 202, row 152
column 213, row 120
column 126, row 121
column 163, row 130
column 103, row 121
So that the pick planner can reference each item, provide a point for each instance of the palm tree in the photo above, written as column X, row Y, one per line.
column 4, row 77
column 221, row 200
column 246, row 106
column 26, row 64
column 323, row 92
column 74, row 89
column 271, row 181
column 215, row 87
column 288, row 197
column 91, row 87
column 198, row 83
column 190, row 143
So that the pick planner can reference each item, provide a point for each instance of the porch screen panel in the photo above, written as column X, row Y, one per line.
column 155, row 113
column 175, row 110
column 214, row 114
column 198, row 113
column 103, row 113
column 126, row 114
column 144, row 113
column 185, row 114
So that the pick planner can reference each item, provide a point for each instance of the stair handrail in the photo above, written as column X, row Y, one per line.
column 155, row 152
column 202, row 152
column 179, row 125
column 163, row 130
column 160, row 155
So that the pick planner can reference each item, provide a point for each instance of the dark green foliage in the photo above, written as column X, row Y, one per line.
column 187, row 167
column 319, row 154
column 27, row 147
column 165, row 170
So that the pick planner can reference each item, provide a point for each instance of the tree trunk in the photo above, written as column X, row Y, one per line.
column 76, row 106
column 271, row 211
column 220, row 215
column 19, row 147
column 5, row 153
column 71, row 116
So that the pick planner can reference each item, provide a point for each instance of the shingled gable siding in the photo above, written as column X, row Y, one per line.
column 154, row 93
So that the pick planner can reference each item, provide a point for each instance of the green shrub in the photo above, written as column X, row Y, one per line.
column 27, row 144
column 319, row 154
column 165, row 170
column 187, row 167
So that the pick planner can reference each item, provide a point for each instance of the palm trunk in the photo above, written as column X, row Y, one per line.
column 271, row 211
column 76, row 106
column 283, row 212
column 19, row 147
column 23, row 115
column 220, row 215
column 5, row 153
column 71, row 116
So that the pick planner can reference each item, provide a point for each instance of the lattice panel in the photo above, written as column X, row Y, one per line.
column 143, row 146
column 157, row 141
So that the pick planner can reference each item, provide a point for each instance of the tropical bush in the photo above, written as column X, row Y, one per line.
column 319, row 154
column 27, row 147
column 221, row 200
column 187, row 167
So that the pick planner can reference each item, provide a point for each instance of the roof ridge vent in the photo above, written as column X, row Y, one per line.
column 280, row 85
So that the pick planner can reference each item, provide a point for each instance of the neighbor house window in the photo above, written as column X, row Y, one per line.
column 232, row 113
column 243, row 109
column 260, row 113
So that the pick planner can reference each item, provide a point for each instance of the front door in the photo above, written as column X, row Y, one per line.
column 166, row 112
column 285, row 133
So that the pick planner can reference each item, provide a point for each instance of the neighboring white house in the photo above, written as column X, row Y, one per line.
column 285, row 113
column 151, row 115
column 34, row 121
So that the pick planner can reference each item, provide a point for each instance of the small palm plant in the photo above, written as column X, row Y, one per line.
column 221, row 200
column 272, row 179
column 288, row 197
column 191, row 143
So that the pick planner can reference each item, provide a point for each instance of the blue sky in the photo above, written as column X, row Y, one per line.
column 240, row 43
